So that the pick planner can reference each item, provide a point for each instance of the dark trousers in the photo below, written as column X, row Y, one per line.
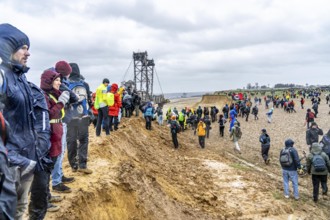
column 201, row 140
column 39, row 195
column 182, row 125
column 148, row 122
column 78, row 131
column 221, row 128
column 113, row 120
column 264, row 152
column 175, row 140
column 317, row 179
column 208, row 131
column 102, row 118
column 256, row 117
column 247, row 117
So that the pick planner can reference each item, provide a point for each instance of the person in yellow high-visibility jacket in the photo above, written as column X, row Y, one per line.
column 201, row 132
column 101, row 105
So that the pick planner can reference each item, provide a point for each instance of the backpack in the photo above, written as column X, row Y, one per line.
column 174, row 127
column 79, row 88
column 319, row 163
column 326, row 145
column 311, row 115
column 238, row 132
column 286, row 159
column 148, row 111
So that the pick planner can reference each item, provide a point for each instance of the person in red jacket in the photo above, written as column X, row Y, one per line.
column 114, row 110
column 50, row 83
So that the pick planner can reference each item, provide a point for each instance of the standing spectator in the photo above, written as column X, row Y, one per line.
column 160, row 115
column 175, row 129
column 201, row 131
column 100, row 103
column 318, row 165
column 269, row 115
column 18, row 110
column 236, row 134
column 221, row 122
column 312, row 134
column 127, row 104
column 265, row 145
column 115, row 108
column 182, row 119
column 136, row 102
column 64, row 69
column 148, row 114
column 78, row 130
column 289, row 160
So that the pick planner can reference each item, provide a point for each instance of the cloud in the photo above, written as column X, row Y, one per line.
column 197, row 45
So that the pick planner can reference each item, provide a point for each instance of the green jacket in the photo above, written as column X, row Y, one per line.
column 316, row 149
column 100, row 97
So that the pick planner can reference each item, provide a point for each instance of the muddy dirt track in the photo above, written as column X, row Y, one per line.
column 138, row 174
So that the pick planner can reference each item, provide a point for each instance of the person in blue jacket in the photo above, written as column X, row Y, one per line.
column 148, row 114
column 18, row 110
column 232, row 115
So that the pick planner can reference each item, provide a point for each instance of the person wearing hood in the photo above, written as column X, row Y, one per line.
column 265, row 145
column 233, row 115
column 101, row 105
column 128, row 104
column 270, row 114
column 78, row 128
column 325, row 143
column 236, row 136
column 115, row 108
column 56, row 100
column 318, row 164
column 148, row 114
column 18, row 110
column 201, row 132
column 64, row 69
column 290, row 162
column 312, row 134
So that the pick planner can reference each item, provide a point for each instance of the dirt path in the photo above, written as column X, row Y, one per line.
column 138, row 174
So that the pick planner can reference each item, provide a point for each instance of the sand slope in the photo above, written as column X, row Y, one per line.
column 138, row 174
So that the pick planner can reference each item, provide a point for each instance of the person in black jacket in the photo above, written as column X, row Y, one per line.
column 265, row 145
column 312, row 134
column 175, row 129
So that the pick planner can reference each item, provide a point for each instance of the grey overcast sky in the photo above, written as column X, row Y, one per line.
column 197, row 45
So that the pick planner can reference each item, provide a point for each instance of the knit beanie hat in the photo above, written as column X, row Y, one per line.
column 47, row 79
column 63, row 68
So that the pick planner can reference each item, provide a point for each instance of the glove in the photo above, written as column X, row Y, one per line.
column 64, row 97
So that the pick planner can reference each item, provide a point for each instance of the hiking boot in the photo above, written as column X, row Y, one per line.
column 61, row 188
column 85, row 170
column 55, row 199
column 67, row 179
column 286, row 196
column 52, row 208
column 267, row 161
column 296, row 198
column 74, row 169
